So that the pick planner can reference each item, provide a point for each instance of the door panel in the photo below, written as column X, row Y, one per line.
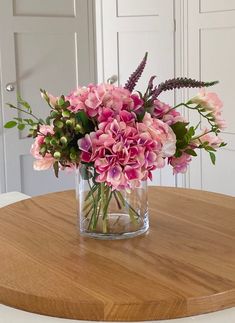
column 216, row 5
column 55, row 53
column 44, row 8
column 211, row 53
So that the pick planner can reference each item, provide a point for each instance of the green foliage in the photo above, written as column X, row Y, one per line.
column 85, row 172
column 184, row 136
column 10, row 124
column 191, row 152
column 212, row 157
column 21, row 126
column 56, row 168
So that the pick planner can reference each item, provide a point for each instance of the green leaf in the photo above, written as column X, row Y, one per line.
column 41, row 121
column 188, row 136
column 223, row 144
column 179, row 129
column 61, row 101
column 56, row 168
column 85, row 172
column 30, row 122
column 18, row 119
column 10, row 124
column 48, row 120
column 191, row 152
column 21, row 126
column 178, row 154
column 81, row 116
column 212, row 157
column 25, row 104
column 209, row 148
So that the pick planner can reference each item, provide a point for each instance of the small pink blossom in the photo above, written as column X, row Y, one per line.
column 42, row 162
column 166, row 113
column 180, row 164
column 209, row 100
column 39, row 140
column 52, row 99
column 212, row 140
column 212, row 103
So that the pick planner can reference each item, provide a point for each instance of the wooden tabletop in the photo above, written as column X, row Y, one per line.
column 184, row 265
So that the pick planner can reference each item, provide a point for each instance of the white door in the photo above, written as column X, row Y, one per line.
column 44, row 44
column 126, row 29
column 211, row 56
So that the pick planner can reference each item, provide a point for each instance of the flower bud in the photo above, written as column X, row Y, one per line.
column 43, row 150
column 66, row 113
column 63, row 140
column 59, row 124
column 57, row 155
column 73, row 156
column 68, row 122
column 53, row 142
column 78, row 127
column 47, row 140
column 54, row 114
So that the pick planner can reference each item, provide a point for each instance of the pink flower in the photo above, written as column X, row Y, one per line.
column 166, row 113
column 39, row 140
column 162, row 133
column 212, row 140
column 209, row 100
column 212, row 103
column 47, row 161
column 104, row 101
column 44, row 163
column 52, row 99
column 125, row 152
column 46, row 129
column 180, row 164
column 160, row 108
column 137, row 102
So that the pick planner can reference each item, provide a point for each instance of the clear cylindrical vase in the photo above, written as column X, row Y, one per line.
column 104, row 213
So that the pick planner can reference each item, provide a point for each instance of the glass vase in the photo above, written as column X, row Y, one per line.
column 104, row 213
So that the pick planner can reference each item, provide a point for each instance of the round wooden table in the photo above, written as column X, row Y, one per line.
column 184, row 265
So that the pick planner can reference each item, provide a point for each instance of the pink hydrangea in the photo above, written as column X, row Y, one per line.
column 103, row 101
column 42, row 163
column 125, row 153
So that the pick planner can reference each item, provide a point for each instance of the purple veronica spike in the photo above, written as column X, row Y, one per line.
column 178, row 83
column 150, row 84
column 134, row 78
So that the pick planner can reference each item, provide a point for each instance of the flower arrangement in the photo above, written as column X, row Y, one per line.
column 122, row 135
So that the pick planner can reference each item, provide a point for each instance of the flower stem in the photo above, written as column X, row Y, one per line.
column 21, row 110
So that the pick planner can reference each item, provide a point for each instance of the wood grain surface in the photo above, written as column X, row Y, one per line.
column 184, row 265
